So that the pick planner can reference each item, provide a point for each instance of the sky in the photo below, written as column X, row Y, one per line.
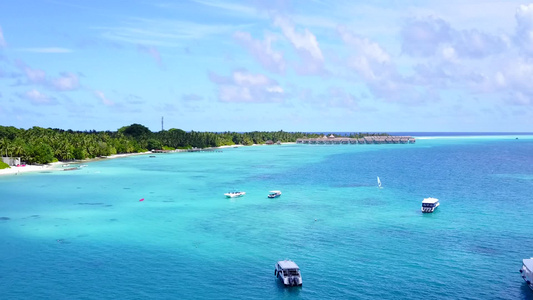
column 303, row 65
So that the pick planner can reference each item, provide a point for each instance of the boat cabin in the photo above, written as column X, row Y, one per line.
column 288, row 273
column 527, row 272
column 429, row 205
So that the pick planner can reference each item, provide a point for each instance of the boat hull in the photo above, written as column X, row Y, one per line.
column 429, row 209
column 527, row 275
column 295, row 281
column 233, row 195
column 288, row 273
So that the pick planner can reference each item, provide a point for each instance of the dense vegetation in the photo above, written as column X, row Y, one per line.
column 45, row 145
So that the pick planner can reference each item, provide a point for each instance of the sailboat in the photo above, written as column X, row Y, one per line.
column 379, row 183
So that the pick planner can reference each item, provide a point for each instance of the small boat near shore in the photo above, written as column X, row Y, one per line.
column 234, row 194
column 72, row 169
column 527, row 272
column 274, row 194
column 429, row 205
column 288, row 273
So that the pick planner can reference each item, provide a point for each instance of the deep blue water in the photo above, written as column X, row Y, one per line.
column 85, row 234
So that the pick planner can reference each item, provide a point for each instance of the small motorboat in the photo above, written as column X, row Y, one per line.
column 274, row 194
column 288, row 273
column 234, row 194
column 429, row 205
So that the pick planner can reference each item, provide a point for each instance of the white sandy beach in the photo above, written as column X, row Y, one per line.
column 25, row 169
column 58, row 166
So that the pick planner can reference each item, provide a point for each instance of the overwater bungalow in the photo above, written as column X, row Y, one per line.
column 331, row 139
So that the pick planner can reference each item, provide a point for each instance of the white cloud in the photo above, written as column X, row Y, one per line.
column 100, row 95
column 37, row 97
column 422, row 37
column 3, row 43
column 151, row 51
column 368, row 58
column 46, row 50
column 245, row 78
column 476, row 44
column 524, row 29
column 305, row 41
column 428, row 36
column 306, row 45
column 243, row 86
column 262, row 51
column 34, row 75
column 67, row 82
column 448, row 53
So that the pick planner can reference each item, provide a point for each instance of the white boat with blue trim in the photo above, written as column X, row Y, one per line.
column 429, row 205
column 234, row 194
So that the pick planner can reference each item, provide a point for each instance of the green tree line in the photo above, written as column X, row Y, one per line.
column 45, row 145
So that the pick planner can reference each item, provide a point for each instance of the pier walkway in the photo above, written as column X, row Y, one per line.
column 364, row 140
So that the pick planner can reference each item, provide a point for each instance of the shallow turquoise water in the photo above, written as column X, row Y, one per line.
column 85, row 234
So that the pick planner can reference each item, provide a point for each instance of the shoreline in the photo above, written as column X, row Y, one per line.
column 61, row 165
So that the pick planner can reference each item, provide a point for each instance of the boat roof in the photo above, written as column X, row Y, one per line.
column 430, row 200
column 287, row 264
column 275, row 192
column 528, row 263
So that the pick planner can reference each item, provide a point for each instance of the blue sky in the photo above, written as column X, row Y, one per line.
column 308, row 65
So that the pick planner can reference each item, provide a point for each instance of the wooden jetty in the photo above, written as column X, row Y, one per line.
column 364, row 140
column 187, row 150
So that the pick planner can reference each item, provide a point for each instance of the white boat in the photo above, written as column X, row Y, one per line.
column 429, row 205
column 288, row 272
column 234, row 194
column 379, row 182
column 527, row 272
column 274, row 194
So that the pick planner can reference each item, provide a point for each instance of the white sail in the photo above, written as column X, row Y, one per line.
column 379, row 182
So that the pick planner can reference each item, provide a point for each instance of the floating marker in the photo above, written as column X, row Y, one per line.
column 142, row 199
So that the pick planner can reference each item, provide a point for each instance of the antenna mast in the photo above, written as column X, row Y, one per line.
column 162, row 124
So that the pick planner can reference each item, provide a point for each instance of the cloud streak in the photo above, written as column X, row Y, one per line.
column 3, row 43
column 53, row 50
column 103, row 99
column 38, row 98
column 65, row 82
column 269, row 58
column 161, row 32
column 305, row 44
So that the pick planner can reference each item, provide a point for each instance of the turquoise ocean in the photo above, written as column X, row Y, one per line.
column 84, row 234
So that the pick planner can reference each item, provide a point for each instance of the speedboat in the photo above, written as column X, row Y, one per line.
column 288, row 273
column 527, row 272
column 429, row 205
column 274, row 194
column 234, row 194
